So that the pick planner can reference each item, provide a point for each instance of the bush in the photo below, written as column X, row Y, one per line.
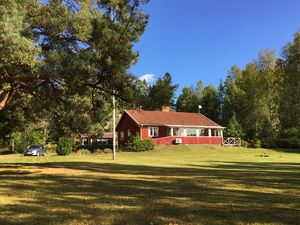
column 292, row 142
column 135, row 144
column 107, row 150
column 290, row 133
column 244, row 144
column 65, row 146
column 94, row 146
column 19, row 142
column 255, row 143
column 50, row 147
column 269, row 143
column 98, row 151
column 83, row 152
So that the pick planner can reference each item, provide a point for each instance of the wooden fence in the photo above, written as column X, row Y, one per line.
column 231, row 141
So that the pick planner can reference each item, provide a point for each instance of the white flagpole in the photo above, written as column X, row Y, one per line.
column 114, row 127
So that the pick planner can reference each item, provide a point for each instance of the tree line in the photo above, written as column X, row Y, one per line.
column 61, row 61
column 260, row 102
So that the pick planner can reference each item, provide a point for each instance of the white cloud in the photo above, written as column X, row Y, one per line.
column 149, row 78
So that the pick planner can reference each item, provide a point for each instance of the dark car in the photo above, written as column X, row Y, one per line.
column 36, row 150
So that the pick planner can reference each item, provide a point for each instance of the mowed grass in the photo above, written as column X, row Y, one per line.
column 170, row 185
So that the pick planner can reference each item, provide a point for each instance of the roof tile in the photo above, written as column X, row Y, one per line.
column 170, row 118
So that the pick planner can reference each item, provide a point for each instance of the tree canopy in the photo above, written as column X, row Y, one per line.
column 68, row 44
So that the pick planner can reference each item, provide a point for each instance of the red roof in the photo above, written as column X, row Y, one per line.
column 159, row 118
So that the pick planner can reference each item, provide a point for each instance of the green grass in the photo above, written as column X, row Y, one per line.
column 170, row 185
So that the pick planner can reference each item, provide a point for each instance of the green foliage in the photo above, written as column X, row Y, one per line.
column 154, row 97
column 289, row 108
column 135, row 144
column 94, row 146
column 83, row 152
column 65, row 146
column 21, row 140
column 234, row 128
column 36, row 137
column 191, row 97
column 290, row 133
column 244, row 143
column 269, row 142
column 254, row 143
column 293, row 142
column 50, row 147
column 188, row 100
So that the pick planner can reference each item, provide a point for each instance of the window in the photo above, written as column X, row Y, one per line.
column 102, row 141
column 122, row 135
column 153, row 131
column 170, row 131
column 191, row 132
column 216, row 133
column 129, row 133
column 178, row 131
column 85, row 141
column 201, row 132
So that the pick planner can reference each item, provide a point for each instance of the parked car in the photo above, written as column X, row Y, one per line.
column 35, row 150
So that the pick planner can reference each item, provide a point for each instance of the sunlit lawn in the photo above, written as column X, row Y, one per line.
column 170, row 185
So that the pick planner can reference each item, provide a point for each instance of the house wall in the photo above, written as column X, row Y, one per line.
column 189, row 140
column 126, row 123
column 162, row 132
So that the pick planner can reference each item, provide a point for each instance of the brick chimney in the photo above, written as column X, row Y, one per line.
column 166, row 109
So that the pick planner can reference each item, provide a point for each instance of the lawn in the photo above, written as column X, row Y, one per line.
column 170, row 185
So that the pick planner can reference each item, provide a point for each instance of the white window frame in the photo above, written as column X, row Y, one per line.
column 122, row 135
column 151, row 132
column 129, row 133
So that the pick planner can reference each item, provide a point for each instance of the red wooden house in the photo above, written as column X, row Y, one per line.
column 166, row 127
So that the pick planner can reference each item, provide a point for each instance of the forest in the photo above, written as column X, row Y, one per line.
column 58, row 74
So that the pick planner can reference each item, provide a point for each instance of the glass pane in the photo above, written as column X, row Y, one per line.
column 178, row 131
column 191, row 132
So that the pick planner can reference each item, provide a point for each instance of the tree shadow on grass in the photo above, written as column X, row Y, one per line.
column 108, row 193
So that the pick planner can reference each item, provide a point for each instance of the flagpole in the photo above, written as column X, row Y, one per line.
column 114, row 127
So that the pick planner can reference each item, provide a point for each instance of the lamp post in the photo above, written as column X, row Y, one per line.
column 199, row 107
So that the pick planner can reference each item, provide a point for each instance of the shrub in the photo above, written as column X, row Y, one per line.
column 98, row 151
column 148, row 144
column 292, row 142
column 107, row 150
column 83, row 152
column 135, row 144
column 244, row 144
column 255, row 143
column 65, row 146
column 269, row 143
column 290, row 133
column 50, row 147
column 94, row 146
column 19, row 142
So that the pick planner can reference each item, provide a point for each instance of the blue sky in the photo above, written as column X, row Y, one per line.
column 201, row 39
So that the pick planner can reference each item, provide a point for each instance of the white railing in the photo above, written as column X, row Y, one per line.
column 231, row 141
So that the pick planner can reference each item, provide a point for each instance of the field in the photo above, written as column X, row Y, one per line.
column 170, row 185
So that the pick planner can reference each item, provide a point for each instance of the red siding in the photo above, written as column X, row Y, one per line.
column 162, row 132
column 144, row 132
column 189, row 140
column 126, row 123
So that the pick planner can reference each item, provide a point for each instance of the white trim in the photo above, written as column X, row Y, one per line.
column 187, row 126
column 149, row 133
column 125, row 111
